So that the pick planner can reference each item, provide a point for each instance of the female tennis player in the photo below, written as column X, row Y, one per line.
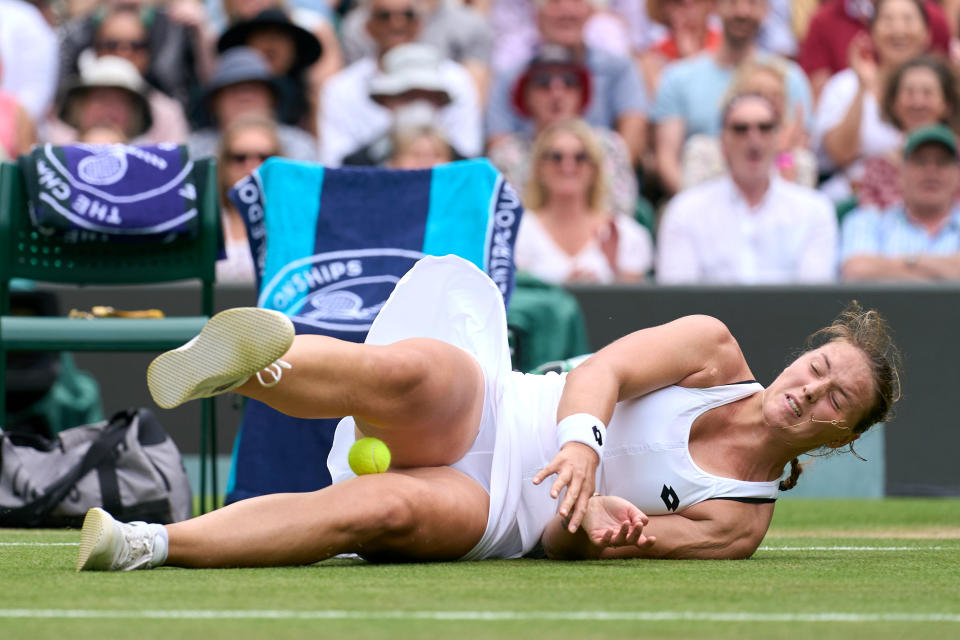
column 659, row 445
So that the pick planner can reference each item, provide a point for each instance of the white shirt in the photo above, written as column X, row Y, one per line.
column 28, row 56
column 350, row 119
column 710, row 234
column 877, row 136
column 537, row 253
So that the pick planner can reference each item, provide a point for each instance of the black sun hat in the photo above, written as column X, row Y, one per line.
column 308, row 47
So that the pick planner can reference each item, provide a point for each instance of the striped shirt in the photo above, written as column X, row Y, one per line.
column 891, row 233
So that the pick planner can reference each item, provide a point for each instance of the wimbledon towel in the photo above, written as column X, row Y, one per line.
column 329, row 245
column 111, row 192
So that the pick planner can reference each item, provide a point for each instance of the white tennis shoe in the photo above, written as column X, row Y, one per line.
column 109, row 545
column 234, row 345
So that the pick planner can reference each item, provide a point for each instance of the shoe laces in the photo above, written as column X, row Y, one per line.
column 138, row 548
column 275, row 371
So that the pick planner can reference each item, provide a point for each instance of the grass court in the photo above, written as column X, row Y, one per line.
column 827, row 569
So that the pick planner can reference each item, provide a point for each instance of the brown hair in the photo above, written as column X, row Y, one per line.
column 870, row 333
column 948, row 85
column 916, row 3
column 535, row 195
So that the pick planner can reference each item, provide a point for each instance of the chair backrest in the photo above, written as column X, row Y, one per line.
column 26, row 253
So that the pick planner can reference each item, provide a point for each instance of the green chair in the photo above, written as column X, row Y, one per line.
column 545, row 323
column 24, row 253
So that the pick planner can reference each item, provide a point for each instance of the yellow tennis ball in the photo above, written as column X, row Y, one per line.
column 368, row 455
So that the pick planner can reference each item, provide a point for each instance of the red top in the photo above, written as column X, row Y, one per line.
column 828, row 39
column 668, row 46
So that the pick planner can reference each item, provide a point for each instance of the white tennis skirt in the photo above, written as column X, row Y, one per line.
column 449, row 299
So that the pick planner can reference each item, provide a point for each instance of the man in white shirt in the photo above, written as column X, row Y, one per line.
column 918, row 239
column 748, row 226
column 351, row 119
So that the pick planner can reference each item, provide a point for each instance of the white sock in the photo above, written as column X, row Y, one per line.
column 161, row 540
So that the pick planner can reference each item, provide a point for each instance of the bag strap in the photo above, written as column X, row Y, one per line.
column 33, row 513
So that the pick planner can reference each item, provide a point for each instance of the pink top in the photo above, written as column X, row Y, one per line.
column 9, row 115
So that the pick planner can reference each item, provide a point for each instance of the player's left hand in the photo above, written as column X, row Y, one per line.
column 614, row 522
column 576, row 468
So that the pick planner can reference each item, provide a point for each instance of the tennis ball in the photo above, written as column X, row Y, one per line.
column 368, row 455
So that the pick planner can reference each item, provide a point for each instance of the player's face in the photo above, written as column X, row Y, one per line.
column 832, row 382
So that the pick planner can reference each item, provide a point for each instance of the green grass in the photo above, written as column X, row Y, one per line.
column 795, row 574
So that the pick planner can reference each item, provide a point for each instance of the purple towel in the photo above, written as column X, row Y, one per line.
column 114, row 192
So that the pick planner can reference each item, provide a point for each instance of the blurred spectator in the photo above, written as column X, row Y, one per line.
column 826, row 48
column 26, row 36
column 289, row 50
column 458, row 32
column 849, row 125
column 749, row 226
column 411, row 88
column 517, row 36
column 703, row 159
column 245, row 145
column 568, row 234
column 692, row 90
column 244, row 85
column 689, row 31
column 17, row 131
column 108, row 92
column 922, row 91
column 350, row 119
column 103, row 134
column 312, row 15
column 776, row 32
column 174, row 47
column 122, row 33
column 418, row 147
column 617, row 97
column 556, row 87
column 920, row 238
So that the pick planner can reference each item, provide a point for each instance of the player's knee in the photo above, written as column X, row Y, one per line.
column 403, row 368
column 397, row 515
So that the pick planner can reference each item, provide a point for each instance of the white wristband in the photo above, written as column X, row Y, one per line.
column 583, row 428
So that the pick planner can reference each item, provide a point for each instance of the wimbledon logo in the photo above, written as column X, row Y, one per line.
column 338, row 290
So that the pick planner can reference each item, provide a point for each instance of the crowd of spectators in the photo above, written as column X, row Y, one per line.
column 773, row 141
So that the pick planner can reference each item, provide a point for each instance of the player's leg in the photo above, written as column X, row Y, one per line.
column 419, row 514
column 423, row 397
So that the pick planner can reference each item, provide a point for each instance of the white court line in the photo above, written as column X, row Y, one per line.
column 484, row 616
column 762, row 548
column 842, row 548
column 39, row 544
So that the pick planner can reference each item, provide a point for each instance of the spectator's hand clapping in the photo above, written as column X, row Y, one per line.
column 863, row 61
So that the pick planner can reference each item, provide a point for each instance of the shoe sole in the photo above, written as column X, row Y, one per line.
column 93, row 539
column 234, row 345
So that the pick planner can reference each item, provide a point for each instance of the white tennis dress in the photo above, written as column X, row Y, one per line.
column 645, row 460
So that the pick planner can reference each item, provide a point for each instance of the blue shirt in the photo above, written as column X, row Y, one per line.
column 615, row 90
column 694, row 89
column 891, row 233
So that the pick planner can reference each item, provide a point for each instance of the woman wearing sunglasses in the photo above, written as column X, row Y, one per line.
column 557, row 87
column 245, row 145
column 569, row 234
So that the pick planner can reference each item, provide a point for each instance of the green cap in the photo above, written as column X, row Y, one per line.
column 936, row 133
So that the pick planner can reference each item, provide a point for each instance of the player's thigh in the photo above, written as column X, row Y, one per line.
column 441, row 515
column 434, row 418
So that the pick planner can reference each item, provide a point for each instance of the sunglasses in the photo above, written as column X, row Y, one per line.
column 385, row 15
column 557, row 157
column 743, row 128
column 545, row 80
column 113, row 46
column 243, row 158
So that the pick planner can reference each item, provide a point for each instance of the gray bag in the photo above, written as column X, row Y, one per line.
column 128, row 465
